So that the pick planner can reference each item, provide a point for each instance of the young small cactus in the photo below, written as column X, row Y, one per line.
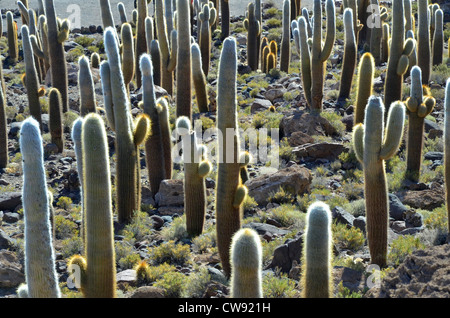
column 366, row 70
column 55, row 118
column 438, row 37
column 246, row 265
column 447, row 148
column 373, row 144
column 196, row 168
column 40, row 271
column 13, row 45
column 350, row 54
column 285, row 54
column 95, row 60
column 253, row 27
column 316, row 274
column 86, row 87
column 418, row 107
column 199, row 79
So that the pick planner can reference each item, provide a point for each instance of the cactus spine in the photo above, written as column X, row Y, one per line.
column 127, row 155
column 285, row 54
column 438, row 37
column 316, row 274
column 373, row 144
column 13, row 45
column 423, row 41
column 253, row 27
column 350, row 53
column 41, row 277
column 155, row 159
column 246, row 265
column 3, row 126
column 141, row 43
column 31, row 77
column 86, row 87
column 168, row 50
column 56, row 35
column 184, row 63
column 55, row 119
column 196, row 167
column 418, row 107
column 366, row 70
column 230, row 193
column 207, row 18
column 315, row 65
column 447, row 148
column 399, row 53
column 199, row 79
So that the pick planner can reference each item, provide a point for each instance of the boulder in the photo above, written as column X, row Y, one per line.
column 260, row 104
column 10, row 270
column 285, row 254
column 428, row 199
column 305, row 122
column 148, row 292
column 170, row 193
column 294, row 179
column 322, row 150
column 10, row 200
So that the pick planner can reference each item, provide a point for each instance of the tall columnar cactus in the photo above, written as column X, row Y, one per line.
column 385, row 42
column 86, row 87
column 199, row 79
column 122, row 13
column 263, row 55
column 350, row 54
column 162, row 106
column 128, row 55
column 366, row 70
column 438, row 37
column 100, row 271
column 399, row 53
column 107, row 17
column 196, row 168
column 168, row 49
column 32, row 32
column 55, row 118
column 57, row 33
column 31, row 78
column 258, row 14
column 184, row 63
column 153, row 146
column 77, row 146
column 253, row 27
column 423, row 40
column 224, row 18
column 3, row 127
column 447, row 148
column 13, row 46
column 246, row 265
column 316, row 274
column 129, row 134
column 141, row 43
column 376, row 35
column 207, row 18
column 285, row 54
column 1, row 25
column 409, row 17
column 357, row 26
column 230, row 193
column 432, row 9
column 418, row 107
column 313, row 61
column 40, row 272
column 373, row 144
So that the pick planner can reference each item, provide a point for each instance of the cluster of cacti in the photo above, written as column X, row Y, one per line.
column 207, row 19
column 350, row 56
column 199, row 79
column 97, row 267
column 196, row 168
column 40, row 271
column 129, row 133
column 167, row 48
column 285, row 48
column 246, row 265
column 399, row 53
column 264, row 51
column 57, row 33
column 230, row 193
column 39, row 40
column 313, row 59
column 366, row 70
column 253, row 27
column 316, row 277
column 373, row 144
column 13, row 46
column 419, row 105
column 269, row 55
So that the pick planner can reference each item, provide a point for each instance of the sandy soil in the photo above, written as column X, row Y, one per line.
column 90, row 13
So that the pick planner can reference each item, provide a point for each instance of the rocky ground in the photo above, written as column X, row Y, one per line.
column 317, row 163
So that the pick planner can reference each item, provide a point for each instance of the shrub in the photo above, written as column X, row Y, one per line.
column 170, row 252
column 172, row 283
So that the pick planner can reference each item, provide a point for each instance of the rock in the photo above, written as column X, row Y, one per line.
column 148, row 292
column 158, row 221
column 434, row 155
column 360, row 223
column 10, row 200
column 413, row 219
column 285, row 254
column 5, row 241
column 426, row 199
column 398, row 226
column 260, row 105
column 170, row 193
column 341, row 216
column 11, row 217
column 147, row 200
column 294, row 179
column 10, row 270
column 396, row 208
column 126, row 276
column 299, row 138
column 264, row 228
column 428, row 125
column 352, row 279
column 312, row 125
column 323, row 150
column 274, row 93
column 348, row 121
